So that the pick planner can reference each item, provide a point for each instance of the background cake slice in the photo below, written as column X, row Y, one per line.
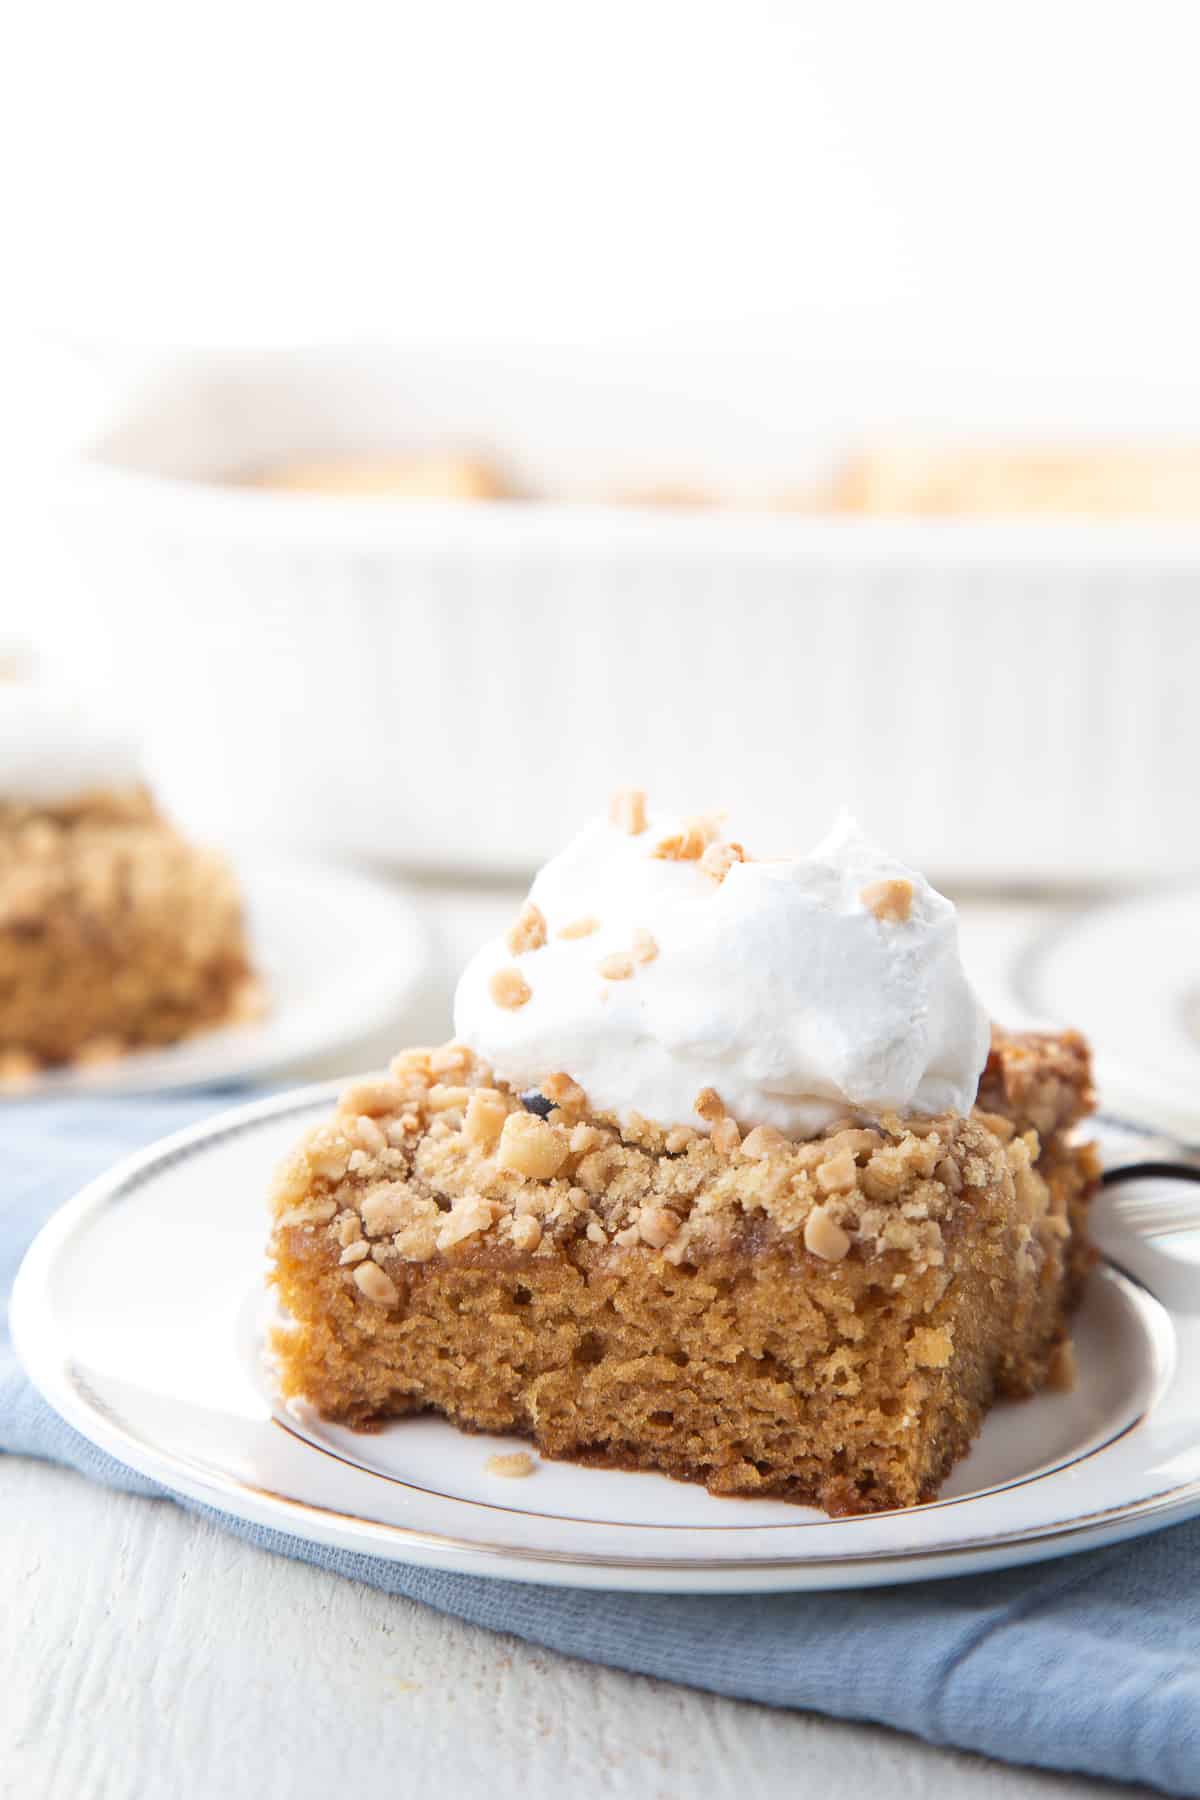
column 116, row 932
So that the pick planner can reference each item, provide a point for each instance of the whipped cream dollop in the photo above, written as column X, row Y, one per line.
column 54, row 746
column 799, row 991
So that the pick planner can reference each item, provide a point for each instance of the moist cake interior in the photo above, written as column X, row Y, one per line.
column 824, row 1321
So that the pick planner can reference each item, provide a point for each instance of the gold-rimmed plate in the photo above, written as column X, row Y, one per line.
column 138, row 1315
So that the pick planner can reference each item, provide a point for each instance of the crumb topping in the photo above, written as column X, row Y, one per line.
column 412, row 1167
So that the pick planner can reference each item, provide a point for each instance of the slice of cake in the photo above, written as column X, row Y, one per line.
column 116, row 933
column 410, row 475
column 1070, row 481
column 726, row 1177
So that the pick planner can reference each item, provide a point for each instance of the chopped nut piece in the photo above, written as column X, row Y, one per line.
column 837, row 1174
column 594, row 1171
column 718, row 859
column 726, row 1137
column 449, row 1059
column 580, row 928
column 949, row 1175
column 509, row 988
column 383, row 1094
column 445, row 1099
column 349, row 1228
column 312, row 1212
column 370, row 1280
column 529, row 932
column 564, row 1092
column 467, row 1218
column 386, row 1208
column 328, row 1155
column 596, row 1233
column 512, row 1466
column 709, row 1105
column 824, row 1236
column 890, row 901
column 657, row 1225
column 689, row 844
column 930, row 1347
column 368, row 1134
column 354, row 1253
column 645, row 949
column 485, row 1116
column 616, row 968
column 584, row 1138
column 526, row 1233
column 528, row 1146
column 627, row 811
column 762, row 1141
column 678, row 1139
column 414, row 1062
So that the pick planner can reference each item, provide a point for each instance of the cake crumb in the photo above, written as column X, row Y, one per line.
column 1062, row 1370
column 645, row 947
column 931, row 1347
column 514, row 1465
column 709, row 1105
column 616, row 968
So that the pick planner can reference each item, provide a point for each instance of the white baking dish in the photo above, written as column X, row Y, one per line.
column 457, row 684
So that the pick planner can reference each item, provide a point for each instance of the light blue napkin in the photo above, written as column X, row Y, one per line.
column 1090, row 1663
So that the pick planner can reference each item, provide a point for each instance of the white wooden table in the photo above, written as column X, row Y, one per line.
column 146, row 1655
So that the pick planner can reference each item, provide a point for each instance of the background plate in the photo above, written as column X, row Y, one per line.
column 341, row 955
column 1128, row 975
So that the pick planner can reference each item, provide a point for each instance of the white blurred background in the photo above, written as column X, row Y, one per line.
column 696, row 233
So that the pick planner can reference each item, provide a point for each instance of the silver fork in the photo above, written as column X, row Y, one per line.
column 1146, row 1164
column 1150, row 1194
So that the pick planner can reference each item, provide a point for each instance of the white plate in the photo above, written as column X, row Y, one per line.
column 341, row 955
column 1128, row 974
column 137, row 1314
